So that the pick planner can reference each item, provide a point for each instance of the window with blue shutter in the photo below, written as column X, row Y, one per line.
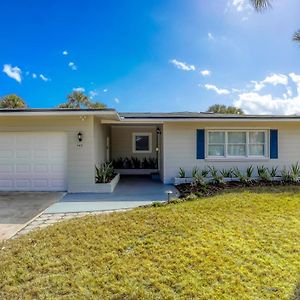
column 200, row 143
column 273, row 143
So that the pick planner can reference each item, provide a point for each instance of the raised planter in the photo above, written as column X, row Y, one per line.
column 136, row 171
column 107, row 187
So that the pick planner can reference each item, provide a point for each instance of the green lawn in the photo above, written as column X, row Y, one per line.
column 240, row 245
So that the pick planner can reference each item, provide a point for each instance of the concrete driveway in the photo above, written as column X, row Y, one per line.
column 18, row 208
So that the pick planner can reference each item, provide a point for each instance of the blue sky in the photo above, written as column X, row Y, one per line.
column 152, row 55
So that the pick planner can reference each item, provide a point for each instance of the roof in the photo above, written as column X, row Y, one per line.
column 8, row 110
column 200, row 115
column 109, row 113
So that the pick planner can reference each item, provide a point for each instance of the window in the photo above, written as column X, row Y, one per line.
column 236, row 144
column 142, row 142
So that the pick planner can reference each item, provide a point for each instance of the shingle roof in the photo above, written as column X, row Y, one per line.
column 199, row 115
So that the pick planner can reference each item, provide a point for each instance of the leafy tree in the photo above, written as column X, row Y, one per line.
column 261, row 5
column 12, row 101
column 223, row 109
column 97, row 105
column 78, row 100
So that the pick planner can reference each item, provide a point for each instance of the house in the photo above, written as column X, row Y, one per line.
column 57, row 149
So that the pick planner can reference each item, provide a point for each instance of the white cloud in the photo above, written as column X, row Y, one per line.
column 182, row 65
column 205, row 73
column 255, row 103
column 210, row 36
column 44, row 78
column 93, row 94
column 79, row 89
column 240, row 5
column 65, row 52
column 34, row 75
column 13, row 72
column 273, row 79
column 72, row 66
column 105, row 90
column 216, row 89
column 117, row 100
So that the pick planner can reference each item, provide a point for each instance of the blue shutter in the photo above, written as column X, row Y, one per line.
column 200, row 143
column 273, row 143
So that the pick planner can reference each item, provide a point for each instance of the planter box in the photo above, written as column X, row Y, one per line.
column 135, row 171
column 180, row 180
column 107, row 187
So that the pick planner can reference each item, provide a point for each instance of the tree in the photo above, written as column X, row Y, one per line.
column 97, row 105
column 261, row 5
column 223, row 109
column 77, row 100
column 12, row 101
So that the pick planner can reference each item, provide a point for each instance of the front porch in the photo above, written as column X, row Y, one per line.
column 131, row 192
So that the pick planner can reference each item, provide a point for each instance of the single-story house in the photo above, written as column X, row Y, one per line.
column 57, row 149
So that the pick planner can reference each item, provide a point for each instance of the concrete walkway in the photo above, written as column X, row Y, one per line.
column 132, row 191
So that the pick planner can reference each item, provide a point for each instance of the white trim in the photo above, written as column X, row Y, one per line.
column 134, row 135
column 247, row 157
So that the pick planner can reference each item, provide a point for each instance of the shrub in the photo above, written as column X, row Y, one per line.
column 226, row 173
column 273, row 171
column 263, row 173
column 105, row 173
column 195, row 172
column 204, row 173
column 249, row 172
column 242, row 177
column 286, row 175
column 217, row 179
column 295, row 172
column 181, row 173
column 136, row 163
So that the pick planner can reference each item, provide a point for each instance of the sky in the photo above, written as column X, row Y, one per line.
column 152, row 55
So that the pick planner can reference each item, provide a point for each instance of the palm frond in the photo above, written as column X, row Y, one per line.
column 296, row 36
column 261, row 5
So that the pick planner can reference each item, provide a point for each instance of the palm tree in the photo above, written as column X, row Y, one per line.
column 12, row 101
column 261, row 5
column 223, row 109
column 78, row 99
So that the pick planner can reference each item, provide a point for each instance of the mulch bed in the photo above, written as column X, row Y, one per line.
column 211, row 189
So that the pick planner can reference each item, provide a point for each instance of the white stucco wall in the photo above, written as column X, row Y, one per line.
column 179, row 143
column 101, row 132
column 80, row 157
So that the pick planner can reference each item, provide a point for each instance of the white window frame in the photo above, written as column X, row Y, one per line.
column 233, row 157
column 134, row 135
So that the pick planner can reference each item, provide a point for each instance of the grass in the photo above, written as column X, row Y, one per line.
column 240, row 245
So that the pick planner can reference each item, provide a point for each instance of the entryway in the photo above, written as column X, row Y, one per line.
column 132, row 191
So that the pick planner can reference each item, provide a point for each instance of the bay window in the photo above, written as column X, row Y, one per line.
column 236, row 144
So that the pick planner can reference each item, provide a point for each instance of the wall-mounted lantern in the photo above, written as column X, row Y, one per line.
column 79, row 136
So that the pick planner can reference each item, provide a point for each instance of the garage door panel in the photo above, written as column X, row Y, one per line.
column 6, row 183
column 23, row 183
column 6, row 153
column 6, row 168
column 23, row 168
column 23, row 153
column 33, row 161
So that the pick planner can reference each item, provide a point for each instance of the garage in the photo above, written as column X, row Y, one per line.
column 35, row 161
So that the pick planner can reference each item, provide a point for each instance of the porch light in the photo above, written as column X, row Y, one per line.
column 169, row 193
column 79, row 136
column 158, row 131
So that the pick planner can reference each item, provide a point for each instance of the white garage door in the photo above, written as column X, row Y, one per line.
column 33, row 161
